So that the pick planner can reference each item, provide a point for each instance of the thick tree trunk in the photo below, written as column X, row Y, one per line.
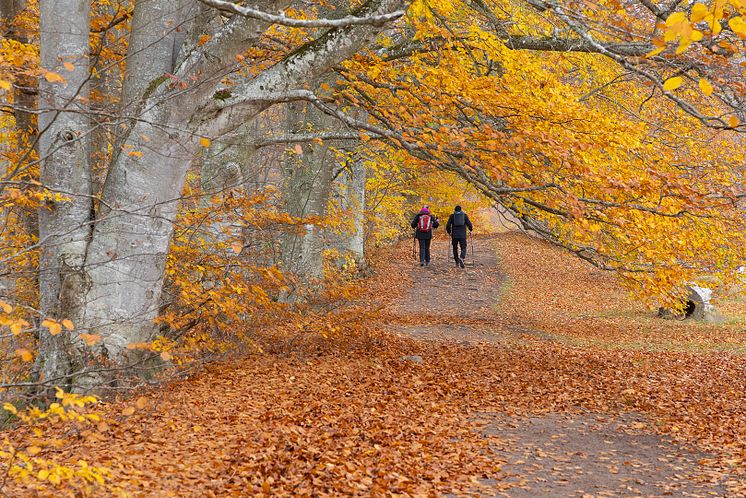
column 118, row 291
column 226, row 165
column 64, row 225
column 127, row 256
column 308, row 177
column 356, row 180
column 152, row 49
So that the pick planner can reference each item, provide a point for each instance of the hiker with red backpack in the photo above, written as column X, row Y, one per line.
column 456, row 227
column 423, row 224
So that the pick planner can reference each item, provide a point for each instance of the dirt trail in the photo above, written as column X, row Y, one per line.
column 558, row 454
column 492, row 389
column 447, row 291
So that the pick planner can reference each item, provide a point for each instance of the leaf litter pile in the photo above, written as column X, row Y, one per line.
column 374, row 413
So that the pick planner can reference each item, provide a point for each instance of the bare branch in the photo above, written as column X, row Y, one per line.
column 304, row 137
column 575, row 45
column 376, row 20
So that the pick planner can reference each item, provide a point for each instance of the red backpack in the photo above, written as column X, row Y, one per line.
column 425, row 223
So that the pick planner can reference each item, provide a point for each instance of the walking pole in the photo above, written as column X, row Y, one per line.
column 471, row 243
column 414, row 247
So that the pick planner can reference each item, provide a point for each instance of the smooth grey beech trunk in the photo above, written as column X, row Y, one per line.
column 23, row 92
column 355, row 203
column 108, row 279
column 65, row 169
column 308, row 176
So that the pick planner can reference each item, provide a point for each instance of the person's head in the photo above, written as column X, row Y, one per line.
column 425, row 210
column 458, row 208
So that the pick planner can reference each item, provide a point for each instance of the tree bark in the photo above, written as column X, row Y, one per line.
column 64, row 225
column 309, row 170
column 356, row 180
column 117, row 294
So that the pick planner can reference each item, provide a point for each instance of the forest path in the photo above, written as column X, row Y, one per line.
column 551, row 384
column 564, row 453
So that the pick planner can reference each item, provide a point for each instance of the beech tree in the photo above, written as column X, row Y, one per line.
column 104, row 271
column 553, row 110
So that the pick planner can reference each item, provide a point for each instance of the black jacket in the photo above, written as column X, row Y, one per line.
column 424, row 235
column 459, row 232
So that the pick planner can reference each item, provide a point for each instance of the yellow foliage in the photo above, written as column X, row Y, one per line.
column 30, row 458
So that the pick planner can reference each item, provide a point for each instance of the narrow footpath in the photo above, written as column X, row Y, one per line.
column 570, row 452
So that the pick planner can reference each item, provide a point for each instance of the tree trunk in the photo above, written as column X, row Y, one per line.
column 64, row 225
column 109, row 281
column 356, row 180
column 308, row 177
column 127, row 256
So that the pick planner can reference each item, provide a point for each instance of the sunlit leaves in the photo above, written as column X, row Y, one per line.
column 17, row 326
column 738, row 25
column 655, row 51
column 53, row 77
column 24, row 354
column 27, row 462
column 90, row 339
column 705, row 86
column 679, row 28
column 681, row 25
column 673, row 83
column 53, row 326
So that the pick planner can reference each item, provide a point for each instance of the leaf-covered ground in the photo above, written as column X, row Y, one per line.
column 529, row 351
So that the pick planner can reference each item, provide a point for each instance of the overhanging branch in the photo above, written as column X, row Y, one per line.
column 282, row 19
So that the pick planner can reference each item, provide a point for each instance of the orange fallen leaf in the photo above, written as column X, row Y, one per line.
column 24, row 354
column 90, row 339
column 53, row 326
column 53, row 77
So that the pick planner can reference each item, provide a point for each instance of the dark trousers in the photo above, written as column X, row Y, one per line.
column 424, row 250
column 456, row 243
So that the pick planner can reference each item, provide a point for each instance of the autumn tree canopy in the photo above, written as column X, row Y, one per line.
column 170, row 168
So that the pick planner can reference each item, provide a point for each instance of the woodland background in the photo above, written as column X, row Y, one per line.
column 182, row 181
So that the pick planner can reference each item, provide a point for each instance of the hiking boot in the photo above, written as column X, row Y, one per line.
column 461, row 263
column 427, row 263
column 422, row 264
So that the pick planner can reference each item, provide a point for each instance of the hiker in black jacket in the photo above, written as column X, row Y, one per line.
column 423, row 224
column 457, row 224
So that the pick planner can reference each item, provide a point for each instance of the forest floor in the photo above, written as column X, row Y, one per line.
column 528, row 373
column 548, row 297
